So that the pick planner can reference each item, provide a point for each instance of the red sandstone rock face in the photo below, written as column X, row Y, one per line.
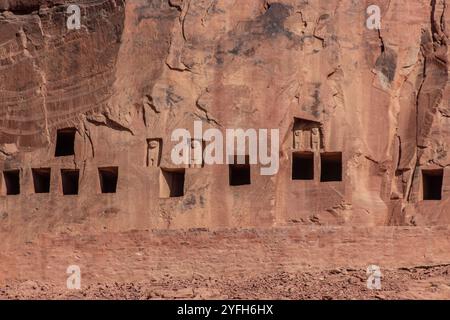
column 99, row 104
column 137, row 70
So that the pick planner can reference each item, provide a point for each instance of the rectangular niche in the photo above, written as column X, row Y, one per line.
column 331, row 166
column 171, row 183
column 154, row 151
column 108, row 179
column 41, row 180
column 240, row 174
column 307, row 135
column 303, row 166
column 11, row 180
column 432, row 184
column 70, row 180
column 65, row 142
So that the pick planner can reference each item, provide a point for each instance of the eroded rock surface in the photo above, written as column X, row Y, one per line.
column 371, row 103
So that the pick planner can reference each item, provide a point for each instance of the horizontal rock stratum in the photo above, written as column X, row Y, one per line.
column 87, row 116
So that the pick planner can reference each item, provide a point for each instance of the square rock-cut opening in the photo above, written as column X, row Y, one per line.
column 331, row 166
column 12, row 182
column 41, row 180
column 432, row 184
column 70, row 180
column 171, row 183
column 108, row 179
column 65, row 142
column 303, row 166
column 239, row 173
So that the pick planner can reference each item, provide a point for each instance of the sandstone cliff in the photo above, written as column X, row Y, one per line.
column 376, row 101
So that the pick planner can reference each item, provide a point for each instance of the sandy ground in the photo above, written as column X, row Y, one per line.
column 423, row 282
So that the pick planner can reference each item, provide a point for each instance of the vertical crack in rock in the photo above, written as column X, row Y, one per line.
column 399, row 156
column 434, row 79
column 87, row 134
column 386, row 63
column 43, row 87
column 381, row 41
